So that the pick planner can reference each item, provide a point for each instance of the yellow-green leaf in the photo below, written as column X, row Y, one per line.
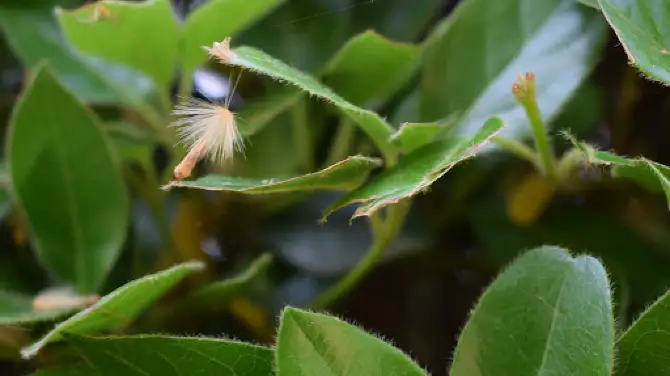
column 344, row 175
column 141, row 35
column 118, row 308
column 370, row 67
column 215, row 20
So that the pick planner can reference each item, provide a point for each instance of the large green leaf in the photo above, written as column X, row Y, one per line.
column 169, row 355
column 34, row 35
column 417, row 171
column 315, row 344
column 64, row 178
column 118, row 308
column 143, row 35
column 255, row 60
column 643, row 32
column 644, row 349
column 547, row 314
column 370, row 67
column 472, row 59
column 344, row 175
column 215, row 20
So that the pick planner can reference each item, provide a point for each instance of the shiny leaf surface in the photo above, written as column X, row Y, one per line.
column 558, row 40
column 79, row 223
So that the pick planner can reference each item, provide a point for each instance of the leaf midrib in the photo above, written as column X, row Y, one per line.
column 552, row 327
column 77, row 234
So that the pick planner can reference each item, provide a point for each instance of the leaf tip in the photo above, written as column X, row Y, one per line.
column 222, row 51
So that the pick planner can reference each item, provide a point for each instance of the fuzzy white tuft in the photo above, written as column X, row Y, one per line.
column 208, row 130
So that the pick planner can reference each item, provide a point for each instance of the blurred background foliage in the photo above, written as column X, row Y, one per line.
column 455, row 238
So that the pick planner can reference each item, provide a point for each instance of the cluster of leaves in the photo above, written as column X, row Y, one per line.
column 92, row 113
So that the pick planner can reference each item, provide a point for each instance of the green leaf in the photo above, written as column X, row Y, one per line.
column 576, row 227
column 143, row 36
column 399, row 20
column 215, row 20
column 649, row 174
column 412, row 136
column 644, row 349
column 256, row 114
column 315, row 344
column 63, row 177
column 417, row 171
column 591, row 3
column 132, row 143
column 547, row 314
column 292, row 29
column 558, row 40
column 257, row 61
column 643, row 33
column 34, row 35
column 344, row 175
column 370, row 67
column 118, row 308
column 18, row 309
column 170, row 355
column 342, row 69
column 221, row 291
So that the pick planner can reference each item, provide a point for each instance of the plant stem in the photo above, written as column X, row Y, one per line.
column 519, row 149
column 385, row 232
column 342, row 144
column 525, row 94
column 185, row 84
column 302, row 136
column 541, row 140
